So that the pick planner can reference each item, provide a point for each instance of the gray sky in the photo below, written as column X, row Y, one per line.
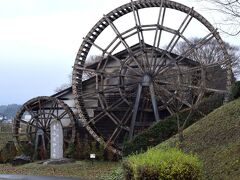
column 39, row 40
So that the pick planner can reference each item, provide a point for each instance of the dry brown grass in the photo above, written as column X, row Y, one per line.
column 83, row 169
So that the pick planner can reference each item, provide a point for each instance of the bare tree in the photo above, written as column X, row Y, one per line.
column 211, row 53
column 64, row 85
column 89, row 62
column 230, row 10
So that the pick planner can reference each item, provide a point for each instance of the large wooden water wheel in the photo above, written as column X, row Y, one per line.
column 141, row 78
column 34, row 118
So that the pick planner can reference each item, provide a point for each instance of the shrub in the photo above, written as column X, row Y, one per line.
column 26, row 148
column 163, row 164
column 83, row 149
column 98, row 150
column 235, row 91
column 70, row 151
column 7, row 153
column 166, row 128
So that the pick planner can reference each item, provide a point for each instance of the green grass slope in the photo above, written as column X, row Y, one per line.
column 216, row 140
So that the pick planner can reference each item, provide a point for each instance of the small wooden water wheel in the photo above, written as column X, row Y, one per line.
column 32, row 122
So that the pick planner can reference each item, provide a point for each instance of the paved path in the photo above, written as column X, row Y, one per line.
column 25, row 177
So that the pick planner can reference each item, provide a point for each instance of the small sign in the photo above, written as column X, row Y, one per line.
column 92, row 156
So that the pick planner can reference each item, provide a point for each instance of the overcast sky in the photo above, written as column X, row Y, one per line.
column 39, row 40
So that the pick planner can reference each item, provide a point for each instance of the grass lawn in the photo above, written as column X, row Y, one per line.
column 83, row 169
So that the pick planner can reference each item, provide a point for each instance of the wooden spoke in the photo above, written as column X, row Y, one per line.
column 27, row 123
column 50, row 114
column 126, row 117
column 40, row 123
column 140, row 35
column 30, row 111
column 181, row 30
column 177, row 98
column 111, row 43
column 115, row 104
column 175, row 39
column 111, row 56
column 48, row 122
column 138, row 25
column 193, row 87
column 114, row 136
column 160, row 21
column 96, row 118
column 197, row 45
column 158, row 33
column 62, row 115
column 184, row 55
column 113, row 118
column 41, row 111
column 124, row 43
column 120, row 127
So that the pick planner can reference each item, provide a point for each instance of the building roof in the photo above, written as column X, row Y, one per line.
column 123, row 54
column 62, row 93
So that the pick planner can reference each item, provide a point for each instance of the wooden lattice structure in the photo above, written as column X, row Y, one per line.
column 140, row 78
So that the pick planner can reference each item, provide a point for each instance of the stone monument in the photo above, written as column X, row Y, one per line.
column 56, row 156
column 56, row 140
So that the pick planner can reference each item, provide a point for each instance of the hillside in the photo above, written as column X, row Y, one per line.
column 216, row 140
column 165, row 129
